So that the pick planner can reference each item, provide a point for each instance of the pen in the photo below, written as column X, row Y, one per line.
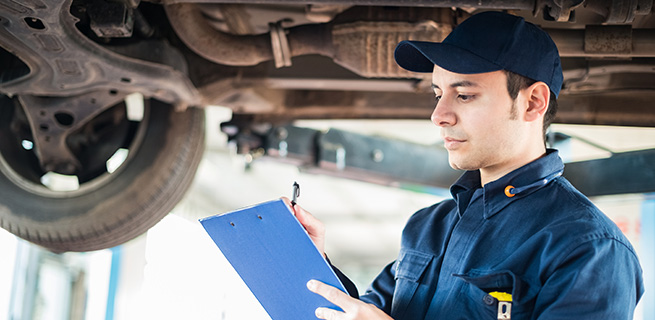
column 296, row 193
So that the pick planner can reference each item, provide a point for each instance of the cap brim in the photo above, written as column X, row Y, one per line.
column 421, row 56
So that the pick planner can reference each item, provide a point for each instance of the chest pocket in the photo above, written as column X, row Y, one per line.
column 479, row 284
column 410, row 268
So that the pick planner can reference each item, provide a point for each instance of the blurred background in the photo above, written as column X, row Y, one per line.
column 175, row 271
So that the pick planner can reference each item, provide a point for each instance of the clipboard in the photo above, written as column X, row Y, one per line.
column 273, row 254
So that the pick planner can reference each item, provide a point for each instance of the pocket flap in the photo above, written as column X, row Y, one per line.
column 489, row 281
column 412, row 264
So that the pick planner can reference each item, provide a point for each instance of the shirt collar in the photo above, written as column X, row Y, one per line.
column 526, row 180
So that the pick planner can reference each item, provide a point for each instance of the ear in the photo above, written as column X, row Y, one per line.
column 538, row 97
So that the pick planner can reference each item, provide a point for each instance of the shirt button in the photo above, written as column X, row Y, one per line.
column 489, row 300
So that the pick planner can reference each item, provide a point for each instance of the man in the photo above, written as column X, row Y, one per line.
column 517, row 240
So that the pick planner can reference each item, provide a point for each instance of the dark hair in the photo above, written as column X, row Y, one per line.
column 517, row 82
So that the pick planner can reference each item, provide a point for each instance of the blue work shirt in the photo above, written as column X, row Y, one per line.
column 557, row 254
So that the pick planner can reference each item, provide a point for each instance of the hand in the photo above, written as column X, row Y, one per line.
column 314, row 227
column 353, row 309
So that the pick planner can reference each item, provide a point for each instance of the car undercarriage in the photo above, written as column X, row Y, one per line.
column 87, row 82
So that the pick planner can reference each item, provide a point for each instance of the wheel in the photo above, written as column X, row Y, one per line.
column 112, row 199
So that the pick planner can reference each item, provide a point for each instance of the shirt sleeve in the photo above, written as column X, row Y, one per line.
column 347, row 283
column 599, row 279
column 380, row 292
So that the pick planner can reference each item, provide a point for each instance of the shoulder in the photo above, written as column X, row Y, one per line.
column 437, row 211
column 578, row 209
column 426, row 224
column 581, row 223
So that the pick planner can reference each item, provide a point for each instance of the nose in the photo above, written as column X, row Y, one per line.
column 443, row 115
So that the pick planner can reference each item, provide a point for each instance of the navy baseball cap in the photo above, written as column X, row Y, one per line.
column 486, row 42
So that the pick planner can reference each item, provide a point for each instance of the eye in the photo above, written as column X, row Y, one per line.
column 465, row 97
column 437, row 98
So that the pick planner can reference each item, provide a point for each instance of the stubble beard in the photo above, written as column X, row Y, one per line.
column 475, row 162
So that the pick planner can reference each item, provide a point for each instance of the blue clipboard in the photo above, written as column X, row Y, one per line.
column 274, row 256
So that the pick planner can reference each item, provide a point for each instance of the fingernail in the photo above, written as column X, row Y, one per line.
column 311, row 284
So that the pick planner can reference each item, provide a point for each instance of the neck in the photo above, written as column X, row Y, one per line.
column 493, row 173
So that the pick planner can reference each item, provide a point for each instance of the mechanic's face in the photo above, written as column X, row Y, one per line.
column 479, row 122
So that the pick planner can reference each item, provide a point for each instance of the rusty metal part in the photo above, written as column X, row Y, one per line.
column 367, row 47
column 231, row 18
column 196, row 32
column 562, row 10
column 614, row 40
column 604, row 42
column 600, row 108
column 111, row 19
column 193, row 28
column 592, row 108
column 280, row 46
column 53, row 119
column 323, row 13
column 489, row 4
column 617, row 11
column 612, row 11
column 64, row 62
column 363, row 47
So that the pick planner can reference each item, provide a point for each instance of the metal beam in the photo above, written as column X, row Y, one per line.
column 356, row 156
column 627, row 172
column 390, row 162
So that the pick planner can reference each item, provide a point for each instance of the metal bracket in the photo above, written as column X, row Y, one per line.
column 52, row 120
column 562, row 10
column 111, row 19
column 280, row 45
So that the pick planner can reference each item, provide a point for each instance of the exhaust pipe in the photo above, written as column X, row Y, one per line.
column 244, row 50
column 366, row 47
column 362, row 47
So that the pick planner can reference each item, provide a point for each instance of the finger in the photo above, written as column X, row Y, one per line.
column 328, row 314
column 295, row 208
column 287, row 202
column 314, row 227
column 311, row 224
column 332, row 294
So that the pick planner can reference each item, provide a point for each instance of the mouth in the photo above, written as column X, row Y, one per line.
column 452, row 143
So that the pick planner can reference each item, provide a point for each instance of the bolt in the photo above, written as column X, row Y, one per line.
column 377, row 155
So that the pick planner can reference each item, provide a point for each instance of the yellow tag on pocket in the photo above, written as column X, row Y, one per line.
column 501, row 296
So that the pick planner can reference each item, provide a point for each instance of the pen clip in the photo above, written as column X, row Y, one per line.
column 296, row 193
column 504, row 310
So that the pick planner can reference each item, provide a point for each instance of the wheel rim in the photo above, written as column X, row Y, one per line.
column 105, row 145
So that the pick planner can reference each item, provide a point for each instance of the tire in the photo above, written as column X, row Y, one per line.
column 107, row 209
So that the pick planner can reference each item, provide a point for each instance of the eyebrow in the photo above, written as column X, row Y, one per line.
column 464, row 83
